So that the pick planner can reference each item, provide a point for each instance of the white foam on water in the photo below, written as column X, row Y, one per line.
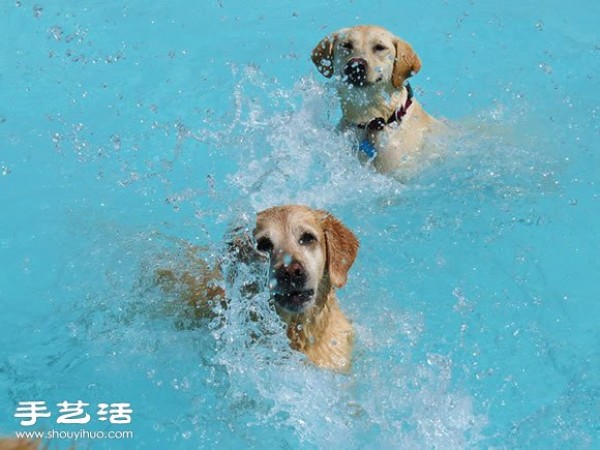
column 288, row 151
column 386, row 400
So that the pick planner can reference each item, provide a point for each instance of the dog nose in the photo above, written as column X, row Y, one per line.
column 291, row 276
column 356, row 71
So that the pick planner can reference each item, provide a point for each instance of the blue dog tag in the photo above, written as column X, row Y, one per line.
column 367, row 148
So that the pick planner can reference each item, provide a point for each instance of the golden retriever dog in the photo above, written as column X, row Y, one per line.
column 309, row 253
column 371, row 67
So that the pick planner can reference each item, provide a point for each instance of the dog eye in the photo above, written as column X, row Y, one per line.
column 347, row 46
column 307, row 238
column 264, row 245
column 379, row 48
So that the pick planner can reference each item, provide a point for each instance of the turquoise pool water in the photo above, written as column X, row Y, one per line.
column 127, row 128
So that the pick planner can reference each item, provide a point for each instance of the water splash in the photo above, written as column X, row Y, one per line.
column 253, row 386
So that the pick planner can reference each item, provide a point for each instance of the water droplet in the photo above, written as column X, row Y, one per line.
column 56, row 32
column 37, row 11
column 116, row 141
column 546, row 68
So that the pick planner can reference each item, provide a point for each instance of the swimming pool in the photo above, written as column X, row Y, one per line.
column 127, row 127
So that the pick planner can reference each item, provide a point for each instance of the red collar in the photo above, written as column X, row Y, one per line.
column 379, row 123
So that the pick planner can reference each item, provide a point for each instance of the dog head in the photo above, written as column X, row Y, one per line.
column 310, row 252
column 366, row 56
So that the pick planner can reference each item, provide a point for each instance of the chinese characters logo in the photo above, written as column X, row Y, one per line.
column 73, row 412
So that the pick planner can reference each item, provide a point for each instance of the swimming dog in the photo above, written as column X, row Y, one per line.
column 310, row 253
column 372, row 66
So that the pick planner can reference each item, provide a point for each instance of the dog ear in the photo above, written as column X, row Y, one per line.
column 342, row 247
column 406, row 64
column 322, row 56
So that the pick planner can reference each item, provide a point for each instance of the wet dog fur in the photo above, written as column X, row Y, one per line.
column 370, row 66
column 20, row 444
column 309, row 253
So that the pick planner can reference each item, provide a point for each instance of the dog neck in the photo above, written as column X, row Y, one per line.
column 361, row 105
column 323, row 335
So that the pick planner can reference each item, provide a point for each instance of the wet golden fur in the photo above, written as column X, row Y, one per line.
column 315, row 323
column 19, row 444
column 320, row 329
column 389, row 62
column 27, row 444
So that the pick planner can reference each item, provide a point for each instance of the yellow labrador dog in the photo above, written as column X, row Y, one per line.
column 371, row 66
column 310, row 253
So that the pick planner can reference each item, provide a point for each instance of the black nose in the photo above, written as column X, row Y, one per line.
column 292, row 276
column 356, row 71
